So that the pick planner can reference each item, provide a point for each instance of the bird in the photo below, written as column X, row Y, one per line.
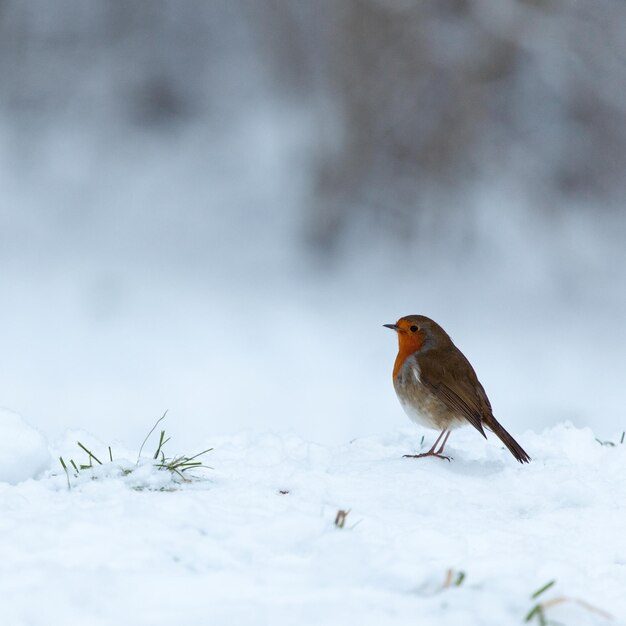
column 438, row 388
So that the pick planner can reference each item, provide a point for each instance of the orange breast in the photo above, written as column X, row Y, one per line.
column 407, row 345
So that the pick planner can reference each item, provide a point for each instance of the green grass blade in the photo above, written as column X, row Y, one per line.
column 195, row 456
column 536, row 609
column 162, row 442
column 90, row 453
column 67, row 474
column 543, row 589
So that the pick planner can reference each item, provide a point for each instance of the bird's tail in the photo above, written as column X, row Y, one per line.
column 514, row 448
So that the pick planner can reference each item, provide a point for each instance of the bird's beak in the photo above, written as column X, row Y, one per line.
column 392, row 326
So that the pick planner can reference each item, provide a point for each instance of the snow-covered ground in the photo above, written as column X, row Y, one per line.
column 253, row 540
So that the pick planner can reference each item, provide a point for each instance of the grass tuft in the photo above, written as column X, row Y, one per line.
column 605, row 443
column 182, row 463
column 453, row 579
column 612, row 444
column 176, row 465
column 538, row 611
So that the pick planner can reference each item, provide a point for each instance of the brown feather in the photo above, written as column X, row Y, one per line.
column 514, row 448
column 463, row 394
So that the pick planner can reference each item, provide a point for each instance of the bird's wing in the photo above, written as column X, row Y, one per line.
column 451, row 378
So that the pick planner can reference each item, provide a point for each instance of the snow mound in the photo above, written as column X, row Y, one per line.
column 23, row 450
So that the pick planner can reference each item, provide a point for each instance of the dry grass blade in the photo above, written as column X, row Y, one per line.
column 453, row 580
column 148, row 435
column 340, row 518
column 539, row 610
column 585, row 605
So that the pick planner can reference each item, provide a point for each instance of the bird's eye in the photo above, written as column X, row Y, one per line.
column 413, row 328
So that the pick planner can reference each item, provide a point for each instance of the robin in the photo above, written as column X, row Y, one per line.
column 438, row 388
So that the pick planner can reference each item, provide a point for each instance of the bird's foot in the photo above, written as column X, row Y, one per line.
column 430, row 453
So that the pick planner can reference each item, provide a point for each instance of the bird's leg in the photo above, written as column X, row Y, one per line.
column 445, row 440
column 441, row 434
column 432, row 452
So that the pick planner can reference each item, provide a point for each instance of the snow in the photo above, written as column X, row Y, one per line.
column 23, row 449
column 142, row 547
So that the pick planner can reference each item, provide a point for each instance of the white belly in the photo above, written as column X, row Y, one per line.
column 422, row 406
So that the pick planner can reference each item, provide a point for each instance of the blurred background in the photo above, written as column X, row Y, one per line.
column 212, row 208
